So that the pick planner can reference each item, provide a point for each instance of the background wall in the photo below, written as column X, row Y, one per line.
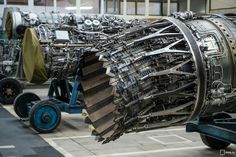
column 198, row 6
column 223, row 6
column 134, row 7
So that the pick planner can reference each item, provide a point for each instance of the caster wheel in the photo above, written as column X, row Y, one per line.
column 94, row 133
column 87, row 120
column 213, row 142
column 2, row 76
column 21, row 101
column 9, row 90
column 221, row 115
column 45, row 116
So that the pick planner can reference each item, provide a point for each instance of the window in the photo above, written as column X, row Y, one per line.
column 141, row 8
column 66, row 6
column 18, row 2
column 137, row 7
column 198, row 6
column 89, row 6
column 43, row 2
column 43, row 6
column 112, row 6
column 130, row 10
column 154, row 8
column 1, row 1
column 66, row 3
column 173, row 8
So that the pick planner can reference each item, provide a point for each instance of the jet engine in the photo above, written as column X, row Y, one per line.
column 163, row 74
column 53, row 43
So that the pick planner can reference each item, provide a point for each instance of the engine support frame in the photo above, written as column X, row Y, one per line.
column 222, row 129
column 45, row 115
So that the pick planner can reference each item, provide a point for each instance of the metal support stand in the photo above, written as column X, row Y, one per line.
column 217, row 128
column 65, row 96
column 45, row 115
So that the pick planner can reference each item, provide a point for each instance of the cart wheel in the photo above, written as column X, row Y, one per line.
column 21, row 101
column 213, row 142
column 9, row 90
column 221, row 115
column 2, row 76
column 45, row 116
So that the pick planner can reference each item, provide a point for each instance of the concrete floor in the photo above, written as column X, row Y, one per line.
column 72, row 139
column 16, row 139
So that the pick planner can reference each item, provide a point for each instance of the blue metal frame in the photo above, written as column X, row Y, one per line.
column 70, row 104
column 222, row 129
column 74, row 105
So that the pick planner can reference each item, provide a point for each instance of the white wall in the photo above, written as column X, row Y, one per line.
column 218, row 4
column 223, row 6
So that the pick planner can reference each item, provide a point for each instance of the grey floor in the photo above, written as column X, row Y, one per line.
column 16, row 139
column 73, row 139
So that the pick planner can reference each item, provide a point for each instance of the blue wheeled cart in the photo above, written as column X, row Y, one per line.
column 45, row 115
column 217, row 131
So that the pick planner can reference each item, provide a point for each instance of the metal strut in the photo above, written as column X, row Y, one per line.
column 219, row 128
